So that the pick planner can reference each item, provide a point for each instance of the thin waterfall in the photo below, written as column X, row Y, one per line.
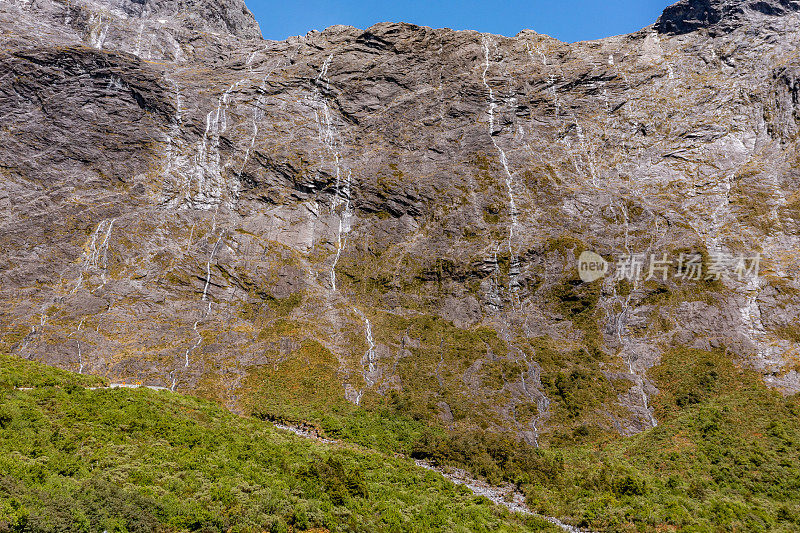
column 329, row 137
column 514, row 267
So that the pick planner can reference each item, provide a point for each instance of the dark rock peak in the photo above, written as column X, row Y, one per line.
column 720, row 16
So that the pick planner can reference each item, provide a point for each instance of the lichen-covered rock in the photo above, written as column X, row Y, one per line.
column 398, row 209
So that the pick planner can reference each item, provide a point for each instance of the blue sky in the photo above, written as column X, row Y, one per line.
column 568, row 20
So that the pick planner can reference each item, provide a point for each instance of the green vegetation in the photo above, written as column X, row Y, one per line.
column 19, row 373
column 73, row 459
column 302, row 384
column 724, row 457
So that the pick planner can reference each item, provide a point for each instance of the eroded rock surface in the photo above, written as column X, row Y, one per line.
column 400, row 208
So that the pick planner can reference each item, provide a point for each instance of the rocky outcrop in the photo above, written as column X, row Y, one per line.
column 231, row 16
column 397, row 210
column 720, row 16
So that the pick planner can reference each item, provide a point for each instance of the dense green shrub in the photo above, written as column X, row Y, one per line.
column 140, row 461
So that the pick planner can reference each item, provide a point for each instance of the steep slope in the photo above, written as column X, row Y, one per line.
column 138, row 460
column 391, row 217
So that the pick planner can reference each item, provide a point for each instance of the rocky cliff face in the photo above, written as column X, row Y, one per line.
column 397, row 211
column 720, row 16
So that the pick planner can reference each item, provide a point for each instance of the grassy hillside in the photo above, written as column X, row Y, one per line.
column 724, row 458
column 73, row 459
column 16, row 372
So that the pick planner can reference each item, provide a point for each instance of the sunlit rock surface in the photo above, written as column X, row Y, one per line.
column 188, row 205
